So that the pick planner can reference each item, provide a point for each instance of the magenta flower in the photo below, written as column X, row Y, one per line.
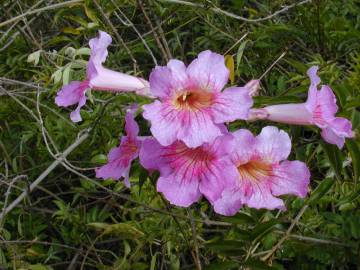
column 99, row 78
column 263, row 172
column 191, row 107
column 319, row 109
column 187, row 173
column 120, row 158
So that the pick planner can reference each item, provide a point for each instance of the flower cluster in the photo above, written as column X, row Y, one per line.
column 191, row 146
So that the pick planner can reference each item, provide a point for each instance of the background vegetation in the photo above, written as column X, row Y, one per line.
column 74, row 221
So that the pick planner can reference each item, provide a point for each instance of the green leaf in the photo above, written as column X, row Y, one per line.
column 321, row 190
column 124, row 230
column 334, row 156
column 227, row 247
column 239, row 55
column 34, row 57
column 263, row 228
column 257, row 265
column 239, row 218
column 354, row 150
column 100, row 158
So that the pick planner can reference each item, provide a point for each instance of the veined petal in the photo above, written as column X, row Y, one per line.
column 99, row 46
column 164, row 81
column 314, row 81
column 229, row 203
column 120, row 158
column 169, row 124
column 330, row 136
column 208, row 71
column 260, row 197
column 180, row 193
column 273, row 144
column 218, row 176
column 153, row 157
column 71, row 93
column 290, row 177
column 232, row 104
column 75, row 115
column 244, row 148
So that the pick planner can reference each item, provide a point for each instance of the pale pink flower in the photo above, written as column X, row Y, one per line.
column 187, row 173
column 319, row 109
column 99, row 78
column 263, row 172
column 192, row 106
column 120, row 158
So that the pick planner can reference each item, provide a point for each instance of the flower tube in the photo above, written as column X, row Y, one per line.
column 319, row 109
column 99, row 78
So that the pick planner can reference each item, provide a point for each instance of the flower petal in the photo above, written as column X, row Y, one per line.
column 330, row 136
column 164, row 81
column 273, row 144
column 314, row 81
column 75, row 115
column 131, row 127
column 208, row 71
column 217, row 177
column 70, row 94
column 99, row 46
column 260, row 197
column 169, row 124
column 244, row 146
column 232, row 104
column 164, row 121
column 152, row 157
column 229, row 203
column 180, row 193
column 290, row 177
column 342, row 127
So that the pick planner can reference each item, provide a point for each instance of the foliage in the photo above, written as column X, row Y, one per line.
column 73, row 220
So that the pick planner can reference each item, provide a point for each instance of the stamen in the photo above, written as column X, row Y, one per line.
column 255, row 170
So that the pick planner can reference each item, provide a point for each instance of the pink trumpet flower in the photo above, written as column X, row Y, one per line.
column 319, row 109
column 99, row 78
column 192, row 106
column 120, row 158
column 263, row 172
column 187, row 173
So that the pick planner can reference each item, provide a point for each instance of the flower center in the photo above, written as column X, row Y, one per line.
column 254, row 170
column 193, row 100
